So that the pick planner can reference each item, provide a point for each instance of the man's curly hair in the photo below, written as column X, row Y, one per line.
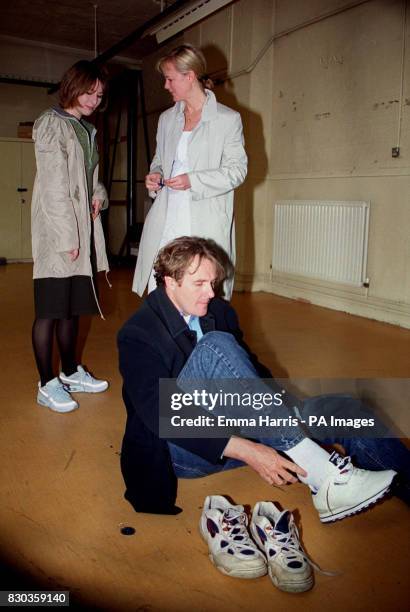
column 175, row 258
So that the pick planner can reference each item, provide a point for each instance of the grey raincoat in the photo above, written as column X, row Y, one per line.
column 60, row 211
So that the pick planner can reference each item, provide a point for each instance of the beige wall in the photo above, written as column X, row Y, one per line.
column 32, row 61
column 321, row 115
column 336, row 94
column 21, row 103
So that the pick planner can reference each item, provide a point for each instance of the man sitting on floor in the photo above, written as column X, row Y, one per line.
column 182, row 331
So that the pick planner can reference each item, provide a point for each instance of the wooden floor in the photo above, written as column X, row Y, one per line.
column 61, row 489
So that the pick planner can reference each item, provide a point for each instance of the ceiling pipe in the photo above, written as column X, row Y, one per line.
column 139, row 32
column 133, row 37
column 95, row 31
column 218, row 80
column 22, row 81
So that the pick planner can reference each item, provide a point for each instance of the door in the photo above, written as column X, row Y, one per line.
column 28, row 172
column 10, row 213
column 17, row 171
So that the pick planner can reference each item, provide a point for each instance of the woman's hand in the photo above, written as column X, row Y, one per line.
column 96, row 206
column 73, row 254
column 268, row 463
column 180, row 182
column 153, row 181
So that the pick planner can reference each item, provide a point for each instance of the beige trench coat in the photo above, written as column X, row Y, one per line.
column 60, row 214
column 219, row 164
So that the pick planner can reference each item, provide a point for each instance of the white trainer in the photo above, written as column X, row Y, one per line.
column 277, row 536
column 55, row 396
column 224, row 528
column 82, row 382
column 348, row 490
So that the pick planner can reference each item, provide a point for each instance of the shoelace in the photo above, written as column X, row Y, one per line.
column 343, row 464
column 84, row 376
column 291, row 541
column 234, row 524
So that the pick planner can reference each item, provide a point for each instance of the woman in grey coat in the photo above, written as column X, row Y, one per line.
column 67, row 238
column 200, row 159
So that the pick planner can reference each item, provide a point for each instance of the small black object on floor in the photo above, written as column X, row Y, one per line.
column 127, row 531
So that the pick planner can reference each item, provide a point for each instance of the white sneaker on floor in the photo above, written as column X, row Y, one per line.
column 348, row 490
column 276, row 534
column 82, row 382
column 55, row 396
column 224, row 528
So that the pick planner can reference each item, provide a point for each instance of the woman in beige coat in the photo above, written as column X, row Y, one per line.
column 199, row 161
column 67, row 237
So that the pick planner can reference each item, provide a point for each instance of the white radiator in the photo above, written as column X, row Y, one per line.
column 324, row 240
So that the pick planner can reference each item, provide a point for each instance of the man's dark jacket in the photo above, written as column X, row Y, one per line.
column 156, row 343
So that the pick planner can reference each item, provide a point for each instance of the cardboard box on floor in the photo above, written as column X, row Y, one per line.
column 25, row 129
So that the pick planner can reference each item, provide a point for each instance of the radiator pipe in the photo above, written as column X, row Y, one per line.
column 275, row 37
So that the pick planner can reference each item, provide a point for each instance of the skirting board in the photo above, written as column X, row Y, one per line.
column 352, row 301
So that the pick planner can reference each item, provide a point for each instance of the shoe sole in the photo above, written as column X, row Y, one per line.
column 292, row 587
column 332, row 518
column 43, row 402
column 247, row 574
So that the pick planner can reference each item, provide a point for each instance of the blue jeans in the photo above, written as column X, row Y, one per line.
column 219, row 356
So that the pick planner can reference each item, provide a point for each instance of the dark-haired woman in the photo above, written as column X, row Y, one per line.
column 199, row 161
column 67, row 237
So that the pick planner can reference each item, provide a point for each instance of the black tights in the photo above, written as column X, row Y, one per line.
column 43, row 336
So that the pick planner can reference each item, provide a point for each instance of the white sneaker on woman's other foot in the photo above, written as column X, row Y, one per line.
column 348, row 490
column 82, row 382
column 55, row 396
column 276, row 534
column 224, row 528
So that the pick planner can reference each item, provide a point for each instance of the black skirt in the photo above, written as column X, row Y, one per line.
column 63, row 298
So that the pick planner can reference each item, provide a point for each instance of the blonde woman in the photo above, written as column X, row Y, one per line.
column 199, row 160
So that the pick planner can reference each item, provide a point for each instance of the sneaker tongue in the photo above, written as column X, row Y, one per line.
column 232, row 515
column 265, row 524
column 339, row 461
column 282, row 524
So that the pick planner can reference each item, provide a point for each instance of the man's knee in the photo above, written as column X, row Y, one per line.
column 222, row 344
column 220, row 339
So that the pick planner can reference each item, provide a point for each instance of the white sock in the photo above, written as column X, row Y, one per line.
column 313, row 459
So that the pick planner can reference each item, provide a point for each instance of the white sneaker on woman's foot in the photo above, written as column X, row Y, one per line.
column 82, row 382
column 55, row 396
column 348, row 490
column 224, row 528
